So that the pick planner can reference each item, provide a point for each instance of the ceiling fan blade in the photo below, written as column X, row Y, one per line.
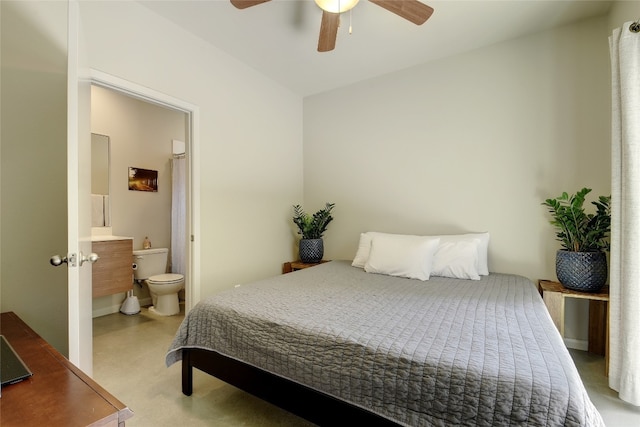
column 412, row 10
column 328, row 31
column 243, row 4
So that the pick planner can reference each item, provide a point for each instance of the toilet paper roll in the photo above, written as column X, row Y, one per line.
column 135, row 266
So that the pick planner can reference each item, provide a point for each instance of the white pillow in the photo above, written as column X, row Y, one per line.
column 364, row 247
column 401, row 255
column 483, row 247
column 457, row 259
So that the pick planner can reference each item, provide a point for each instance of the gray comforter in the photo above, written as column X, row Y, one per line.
column 441, row 352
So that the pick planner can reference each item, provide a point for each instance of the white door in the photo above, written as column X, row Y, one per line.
column 34, row 39
column 78, row 196
column 45, row 173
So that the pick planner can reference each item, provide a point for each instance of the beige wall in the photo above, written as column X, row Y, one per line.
column 469, row 143
column 141, row 136
column 250, row 136
column 623, row 11
column 472, row 142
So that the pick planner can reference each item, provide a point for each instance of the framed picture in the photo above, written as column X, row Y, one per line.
column 143, row 179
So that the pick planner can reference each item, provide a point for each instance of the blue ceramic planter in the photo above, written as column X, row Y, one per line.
column 582, row 271
column 311, row 250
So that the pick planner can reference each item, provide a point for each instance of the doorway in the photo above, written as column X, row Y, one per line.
column 129, row 134
column 138, row 113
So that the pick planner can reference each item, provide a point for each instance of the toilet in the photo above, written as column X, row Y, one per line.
column 150, row 266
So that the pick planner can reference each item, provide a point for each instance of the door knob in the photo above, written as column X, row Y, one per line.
column 71, row 259
column 56, row 260
column 92, row 257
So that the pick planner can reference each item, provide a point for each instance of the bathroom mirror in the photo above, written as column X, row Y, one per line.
column 100, row 166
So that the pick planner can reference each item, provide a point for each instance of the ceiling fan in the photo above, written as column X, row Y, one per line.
column 411, row 10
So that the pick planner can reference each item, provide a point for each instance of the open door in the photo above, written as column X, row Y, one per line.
column 45, row 174
column 79, row 196
column 34, row 165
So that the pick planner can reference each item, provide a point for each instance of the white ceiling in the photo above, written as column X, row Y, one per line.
column 279, row 38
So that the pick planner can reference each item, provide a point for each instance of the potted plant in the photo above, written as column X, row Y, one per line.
column 312, row 227
column 581, row 264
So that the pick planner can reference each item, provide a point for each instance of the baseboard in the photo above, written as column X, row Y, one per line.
column 116, row 308
column 576, row 344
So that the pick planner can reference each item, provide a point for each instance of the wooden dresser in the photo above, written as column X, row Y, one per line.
column 58, row 393
column 113, row 272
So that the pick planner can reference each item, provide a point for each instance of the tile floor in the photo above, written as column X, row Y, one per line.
column 129, row 362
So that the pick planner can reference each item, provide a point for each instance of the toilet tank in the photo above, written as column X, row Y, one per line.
column 149, row 262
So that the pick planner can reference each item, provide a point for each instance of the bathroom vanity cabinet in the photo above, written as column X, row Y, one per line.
column 113, row 272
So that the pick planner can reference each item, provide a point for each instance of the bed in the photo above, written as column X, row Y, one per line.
column 338, row 345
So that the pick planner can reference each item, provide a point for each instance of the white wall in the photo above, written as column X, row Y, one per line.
column 473, row 142
column 140, row 136
column 250, row 136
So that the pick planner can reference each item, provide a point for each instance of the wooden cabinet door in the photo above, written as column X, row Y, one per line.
column 113, row 272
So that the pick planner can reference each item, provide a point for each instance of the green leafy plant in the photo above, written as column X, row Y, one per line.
column 312, row 226
column 577, row 230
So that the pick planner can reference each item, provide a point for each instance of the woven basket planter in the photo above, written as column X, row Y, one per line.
column 582, row 271
column 311, row 250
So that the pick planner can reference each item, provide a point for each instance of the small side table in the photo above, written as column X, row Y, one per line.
column 288, row 267
column 554, row 294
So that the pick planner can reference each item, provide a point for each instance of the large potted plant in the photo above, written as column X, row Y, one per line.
column 312, row 227
column 581, row 264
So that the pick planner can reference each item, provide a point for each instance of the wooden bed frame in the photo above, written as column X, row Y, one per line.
column 312, row 405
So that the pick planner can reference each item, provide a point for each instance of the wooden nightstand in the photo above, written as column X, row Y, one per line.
column 554, row 294
column 288, row 267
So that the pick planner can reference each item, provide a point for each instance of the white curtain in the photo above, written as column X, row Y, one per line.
column 178, row 215
column 624, row 306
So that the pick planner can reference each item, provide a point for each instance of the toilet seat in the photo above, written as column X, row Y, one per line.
column 164, row 290
column 165, row 279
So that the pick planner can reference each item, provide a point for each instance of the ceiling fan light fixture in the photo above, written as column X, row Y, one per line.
column 336, row 6
column 412, row 10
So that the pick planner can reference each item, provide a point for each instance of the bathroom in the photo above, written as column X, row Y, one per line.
column 130, row 133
